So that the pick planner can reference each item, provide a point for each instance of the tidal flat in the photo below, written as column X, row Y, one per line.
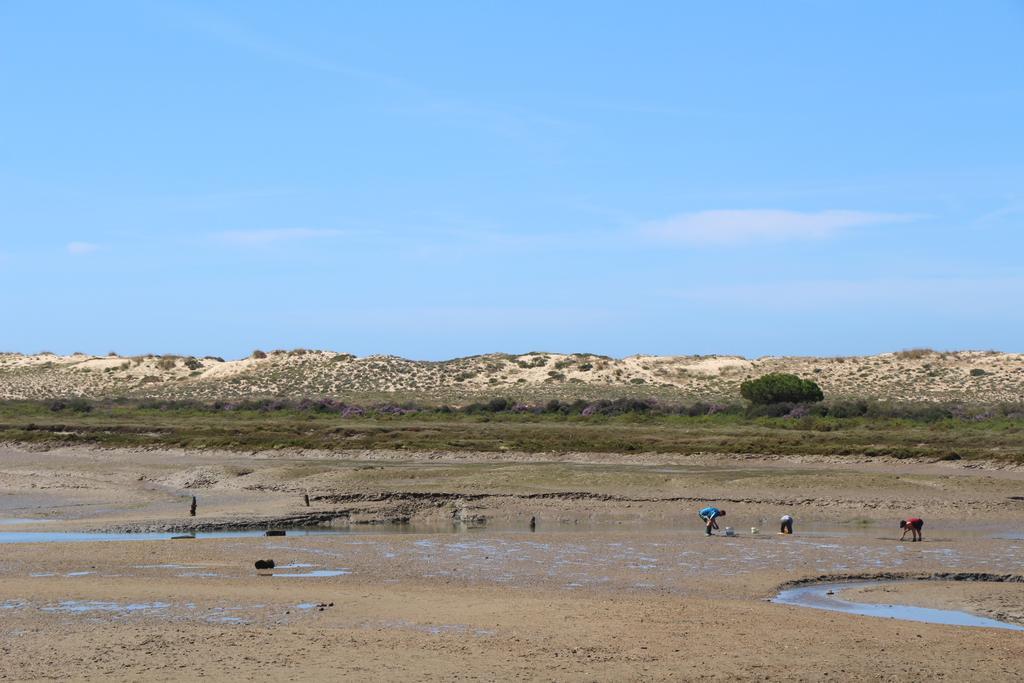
column 400, row 554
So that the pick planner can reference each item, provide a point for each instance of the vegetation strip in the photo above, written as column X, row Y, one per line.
column 634, row 426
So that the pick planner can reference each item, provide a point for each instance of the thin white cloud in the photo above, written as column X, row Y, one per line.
column 236, row 35
column 420, row 100
column 744, row 226
column 78, row 248
column 972, row 294
column 262, row 238
column 1003, row 212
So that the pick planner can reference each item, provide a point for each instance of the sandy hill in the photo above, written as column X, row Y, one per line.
column 906, row 375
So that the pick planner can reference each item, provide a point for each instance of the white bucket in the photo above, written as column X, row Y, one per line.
column 754, row 530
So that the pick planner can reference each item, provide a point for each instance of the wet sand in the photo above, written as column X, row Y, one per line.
column 619, row 584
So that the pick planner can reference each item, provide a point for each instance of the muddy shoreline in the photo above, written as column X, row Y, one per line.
column 616, row 581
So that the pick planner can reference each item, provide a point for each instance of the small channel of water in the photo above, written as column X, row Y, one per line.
column 825, row 596
column 82, row 537
column 9, row 534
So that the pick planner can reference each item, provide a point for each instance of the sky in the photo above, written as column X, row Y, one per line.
column 443, row 179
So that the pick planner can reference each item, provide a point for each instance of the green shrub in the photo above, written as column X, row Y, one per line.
column 497, row 405
column 978, row 372
column 780, row 387
column 78, row 405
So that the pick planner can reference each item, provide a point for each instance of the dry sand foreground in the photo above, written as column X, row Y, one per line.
column 617, row 583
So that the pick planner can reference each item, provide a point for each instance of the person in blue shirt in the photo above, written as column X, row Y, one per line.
column 709, row 515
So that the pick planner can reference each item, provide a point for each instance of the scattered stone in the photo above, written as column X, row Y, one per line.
column 264, row 564
column 276, row 532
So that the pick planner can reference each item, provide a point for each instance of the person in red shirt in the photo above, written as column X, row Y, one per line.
column 913, row 525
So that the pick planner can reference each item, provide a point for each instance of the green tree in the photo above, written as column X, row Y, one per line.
column 780, row 387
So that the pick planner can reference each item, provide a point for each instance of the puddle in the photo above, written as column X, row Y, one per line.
column 81, row 606
column 433, row 629
column 817, row 597
column 99, row 609
column 20, row 520
column 315, row 573
column 85, row 537
column 226, row 620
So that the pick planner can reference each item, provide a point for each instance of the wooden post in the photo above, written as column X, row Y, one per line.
column 306, row 498
column 192, row 508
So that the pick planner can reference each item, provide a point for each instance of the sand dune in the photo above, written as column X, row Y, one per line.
column 979, row 376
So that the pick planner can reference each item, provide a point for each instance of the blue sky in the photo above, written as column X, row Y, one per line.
column 443, row 179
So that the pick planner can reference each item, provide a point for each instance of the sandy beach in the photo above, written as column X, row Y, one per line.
column 617, row 582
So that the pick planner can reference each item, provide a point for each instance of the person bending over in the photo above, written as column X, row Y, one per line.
column 914, row 526
column 786, row 524
column 709, row 515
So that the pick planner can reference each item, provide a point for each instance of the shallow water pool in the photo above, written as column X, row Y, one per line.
column 86, row 537
column 825, row 596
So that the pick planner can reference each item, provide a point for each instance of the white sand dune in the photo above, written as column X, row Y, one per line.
column 982, row 376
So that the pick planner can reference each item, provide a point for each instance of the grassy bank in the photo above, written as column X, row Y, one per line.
column 730, row 430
